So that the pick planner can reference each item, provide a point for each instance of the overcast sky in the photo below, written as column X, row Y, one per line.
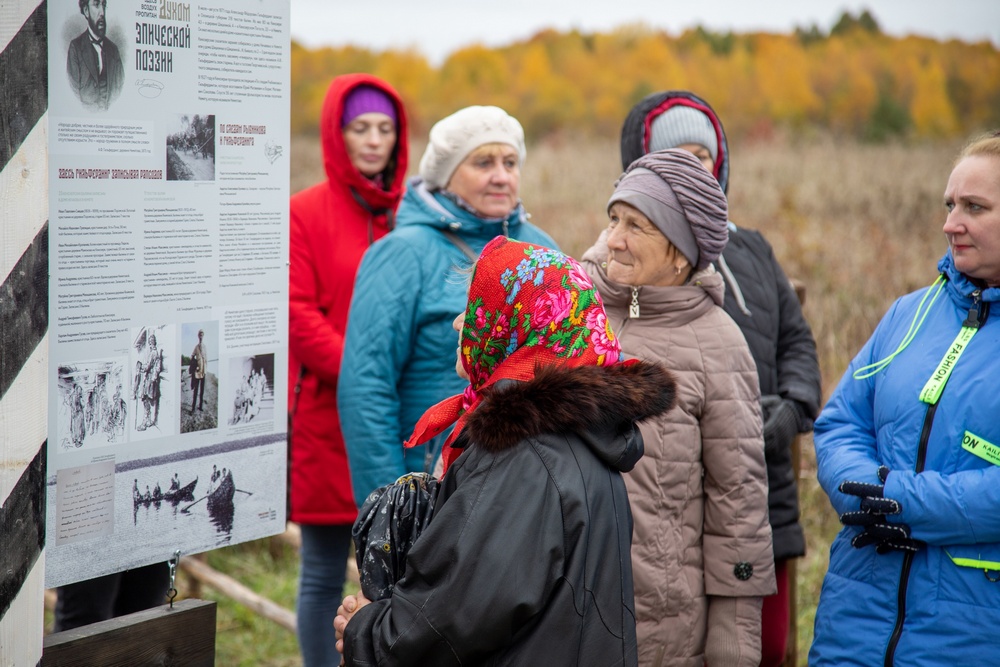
column 438, row 27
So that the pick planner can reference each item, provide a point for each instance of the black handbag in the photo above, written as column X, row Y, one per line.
column 389, row 522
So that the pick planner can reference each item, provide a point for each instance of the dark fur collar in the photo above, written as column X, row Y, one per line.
column 560, row 399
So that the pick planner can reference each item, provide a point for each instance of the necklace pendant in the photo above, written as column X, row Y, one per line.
column 633, row 309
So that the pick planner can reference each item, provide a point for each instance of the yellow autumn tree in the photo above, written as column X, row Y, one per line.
column 472, row 75
column 415, row 80
column 930, row 108
column 782, row 76
column 546, row 99
column 973, row 76
column 844, row 81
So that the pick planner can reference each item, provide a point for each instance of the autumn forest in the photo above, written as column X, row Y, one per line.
column 852, row 80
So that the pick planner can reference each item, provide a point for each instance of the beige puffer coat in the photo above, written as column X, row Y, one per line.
column 699, row 494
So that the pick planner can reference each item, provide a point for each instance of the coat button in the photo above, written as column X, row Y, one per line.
column 743, row 570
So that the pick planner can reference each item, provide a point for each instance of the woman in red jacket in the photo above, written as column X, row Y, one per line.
column 364, row 137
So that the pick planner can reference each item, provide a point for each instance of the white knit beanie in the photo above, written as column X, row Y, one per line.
column 454, row 137
column 681, row 125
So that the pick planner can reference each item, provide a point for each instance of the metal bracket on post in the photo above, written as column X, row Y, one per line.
column 173, row 562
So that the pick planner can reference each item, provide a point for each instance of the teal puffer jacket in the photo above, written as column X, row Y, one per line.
column 399, row 349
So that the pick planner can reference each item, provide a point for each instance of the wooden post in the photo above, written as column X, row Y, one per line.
column 24, row 306
column 181, row 636
column 792, row 648
column 193, row 583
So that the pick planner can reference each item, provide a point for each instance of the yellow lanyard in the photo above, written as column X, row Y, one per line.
column 931, row 392
column 986, row 566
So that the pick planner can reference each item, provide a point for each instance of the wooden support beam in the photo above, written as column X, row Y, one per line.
column 182, row 636
column 792, row 646
column 238, row 592
column 292, row 535
column 800, row 290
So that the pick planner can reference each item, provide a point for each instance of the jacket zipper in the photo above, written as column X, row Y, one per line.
column 976, row 318
column 621, row 330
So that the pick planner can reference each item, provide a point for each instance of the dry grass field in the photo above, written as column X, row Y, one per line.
column 857, row 224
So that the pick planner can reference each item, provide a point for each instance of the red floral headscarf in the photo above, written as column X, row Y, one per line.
column 529, row 306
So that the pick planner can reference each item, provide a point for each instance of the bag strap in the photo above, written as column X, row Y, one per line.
column 460, row 244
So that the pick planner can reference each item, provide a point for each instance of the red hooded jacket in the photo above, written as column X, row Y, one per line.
column 332, row 224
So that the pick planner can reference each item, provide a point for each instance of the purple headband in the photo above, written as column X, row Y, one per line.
column 367, row 99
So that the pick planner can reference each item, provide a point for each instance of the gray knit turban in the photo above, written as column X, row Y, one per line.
column 683, row 200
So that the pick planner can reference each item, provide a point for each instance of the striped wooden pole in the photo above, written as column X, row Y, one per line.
column 23, row 327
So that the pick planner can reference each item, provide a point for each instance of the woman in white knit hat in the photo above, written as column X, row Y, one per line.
column 399, row 349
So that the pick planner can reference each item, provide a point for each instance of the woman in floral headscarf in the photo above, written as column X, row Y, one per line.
column 526, row 559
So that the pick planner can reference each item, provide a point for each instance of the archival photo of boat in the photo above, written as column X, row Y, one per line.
column 174, row 494
column 209, row 496
column 191, row 501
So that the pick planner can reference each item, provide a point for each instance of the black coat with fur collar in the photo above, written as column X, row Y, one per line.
column 527, row 559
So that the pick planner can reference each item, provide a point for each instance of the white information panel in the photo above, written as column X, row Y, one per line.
column 168, row 279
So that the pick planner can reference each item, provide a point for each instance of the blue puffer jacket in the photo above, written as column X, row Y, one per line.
column 946, row 614
column 399, row 349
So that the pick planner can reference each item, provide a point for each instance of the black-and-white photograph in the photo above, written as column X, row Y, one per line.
column 93, row 61
column 191, row 148
column 189, row 490
column 251, row 389
column 214, row 497
column 93, row 411
column 199, row 362
column 152, row 361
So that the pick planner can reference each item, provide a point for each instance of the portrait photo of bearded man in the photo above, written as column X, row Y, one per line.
column 93, row 63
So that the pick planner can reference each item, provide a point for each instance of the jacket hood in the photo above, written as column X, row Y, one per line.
column 433, row 208
column 960, row 286
column 339, row 169
column 598, row 402
column 636, row 129
column 682, row 302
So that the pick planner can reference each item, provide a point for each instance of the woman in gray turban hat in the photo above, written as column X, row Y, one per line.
column 702, row 480
column 680, row 199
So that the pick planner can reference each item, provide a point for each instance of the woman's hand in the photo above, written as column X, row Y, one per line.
column 348, row 608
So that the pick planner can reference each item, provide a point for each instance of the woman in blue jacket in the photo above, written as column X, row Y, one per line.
column 399, row 348
column 908, row 449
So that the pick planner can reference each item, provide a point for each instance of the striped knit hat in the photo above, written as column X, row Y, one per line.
column 681, row 125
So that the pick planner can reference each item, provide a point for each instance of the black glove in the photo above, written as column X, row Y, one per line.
column 872, row 516
column 781, row 423
column 884, row 535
